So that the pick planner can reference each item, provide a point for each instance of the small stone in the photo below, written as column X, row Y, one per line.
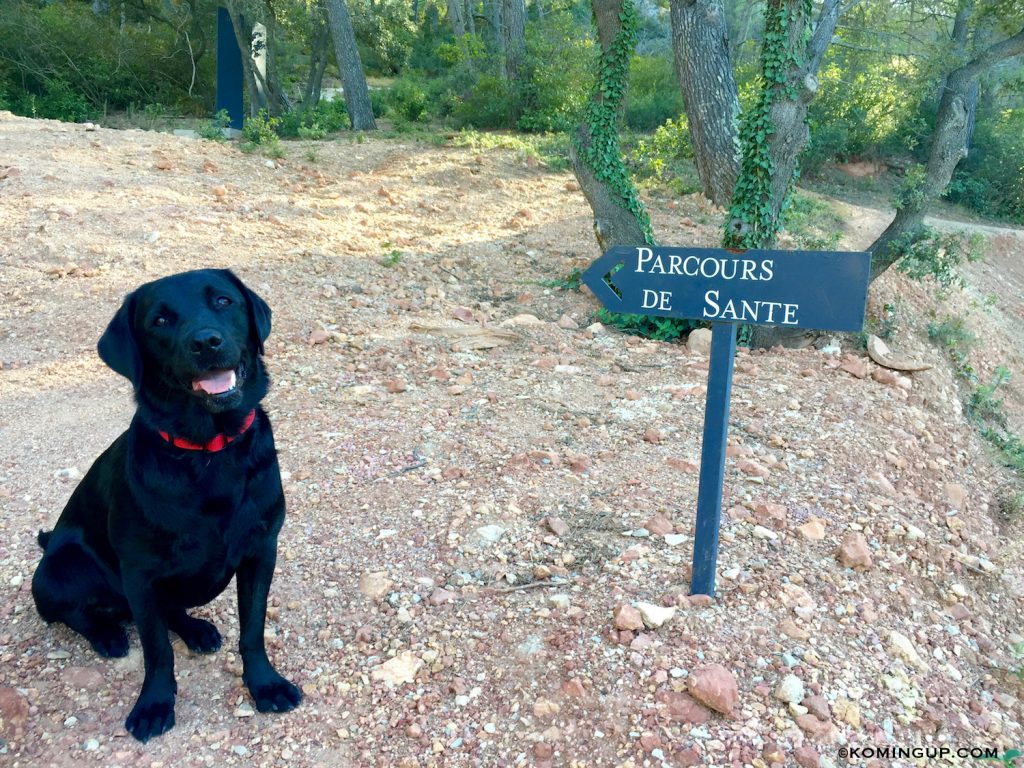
column 715, row 687
column 956, row 494
column 653, row 436
column 561, row 601
column 395, row 386
column 806, row 757
column 627, row 617
column 557, row 526
column 854, row 552
column 790, row 690
column 683, row 465
column 545, row 708
column 244, row 710
column 659, row 525
column 568, row 323
column 441, row 596
column 655, row 615
column 814, row 728
column 400, row 669
column 543, row 751
column 752, row 468
column 682, row 708
column 817, row 706
column 813, row 529
column 792, row 630
column 959, row 612
column 14, row 711
column 490, row 534
column 760, row 532
column 855, row 366
column 900, row 645
column 675, row 539
column 699, row 342
column 375, row 585
column 318, row 336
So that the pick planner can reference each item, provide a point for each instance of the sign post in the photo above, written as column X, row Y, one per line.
column 822, row 290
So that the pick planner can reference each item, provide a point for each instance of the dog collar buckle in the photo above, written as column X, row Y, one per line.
column 217, row 443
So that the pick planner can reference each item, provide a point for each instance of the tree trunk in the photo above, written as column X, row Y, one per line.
column 319, row 42
column 470, row 19
column 700, row 42
column 775, row 133
column 357, row 95
column 513, row 29
column 619, row 216
column 948, row 147
column 455, row 18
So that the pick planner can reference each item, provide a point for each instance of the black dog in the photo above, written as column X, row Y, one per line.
column 189, row 496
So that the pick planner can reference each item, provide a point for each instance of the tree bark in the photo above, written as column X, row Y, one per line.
column 243, row 37
column 700, row 42
column 948, row 147
column 619, row 216
column 455, row 19
column 513, row 29
column 319, row 42
column 776, row 132
column 357, row 95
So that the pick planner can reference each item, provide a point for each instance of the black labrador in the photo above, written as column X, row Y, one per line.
column 189, row 496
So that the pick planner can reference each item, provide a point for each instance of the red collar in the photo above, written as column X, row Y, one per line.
column 218, row 443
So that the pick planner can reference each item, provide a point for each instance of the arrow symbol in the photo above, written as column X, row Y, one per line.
column 598, row 276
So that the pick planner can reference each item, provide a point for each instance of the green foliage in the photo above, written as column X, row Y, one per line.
column 937, row 255
column 260, row 132
column 385, row 33
column 666, row 157
column 812, row 222
column 952, row 334
column 487, row 105
column 991, row 179
column 560, row 59
column 571, row 282
column 63, row 61
column 651, row 327
column 407, row 100
column 316, row 123
column 549, row 150
column 601, row 152
column 215, row 127
column 653, row 95
column 752, row 203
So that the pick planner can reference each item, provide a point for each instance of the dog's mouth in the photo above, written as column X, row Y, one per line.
column 219, row 383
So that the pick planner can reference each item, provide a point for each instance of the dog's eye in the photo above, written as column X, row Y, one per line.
column 223, row 301
column 160, row 321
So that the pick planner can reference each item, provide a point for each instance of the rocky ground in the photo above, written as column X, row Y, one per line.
column 491, row 499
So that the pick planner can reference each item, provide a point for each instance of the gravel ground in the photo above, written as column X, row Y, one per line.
column 491, row 499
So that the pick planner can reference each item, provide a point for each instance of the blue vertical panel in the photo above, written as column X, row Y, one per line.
column 229, row 71
column 712, row 459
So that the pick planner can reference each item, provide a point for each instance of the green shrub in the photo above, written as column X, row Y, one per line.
column 260, row 132
column 325, row 118
column 58, row 101
column 653, row 95
column 215, row 127
column 560, row 54
column 991, row 179
column 488, row 105
column 937, row 255
column 665, row 156
column 407, row 101
column 649, row 326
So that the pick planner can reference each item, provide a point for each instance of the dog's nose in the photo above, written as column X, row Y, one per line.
column 206, row 339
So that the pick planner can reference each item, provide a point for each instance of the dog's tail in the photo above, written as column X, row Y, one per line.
column 43, row 538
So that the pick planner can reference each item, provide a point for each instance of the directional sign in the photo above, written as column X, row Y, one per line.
column 823, row 290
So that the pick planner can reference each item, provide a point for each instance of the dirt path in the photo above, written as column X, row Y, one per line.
column 468, row 519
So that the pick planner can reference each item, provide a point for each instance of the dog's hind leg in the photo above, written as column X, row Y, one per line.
column 72, row 586
column 198, row 634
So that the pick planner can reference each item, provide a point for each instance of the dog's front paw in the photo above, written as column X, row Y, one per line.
column 198, row 634
column 274, row 694
column 109, row 642
column 150, row 717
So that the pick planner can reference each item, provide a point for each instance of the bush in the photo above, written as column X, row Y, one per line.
column 488, row 105
column 58, row 101
column 665, row 157
column 560, row 54
column 991, row 179
column 407, row 101
column 653, row 95
column 326, row 117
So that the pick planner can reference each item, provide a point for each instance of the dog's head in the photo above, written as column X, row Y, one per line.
column 192, row 335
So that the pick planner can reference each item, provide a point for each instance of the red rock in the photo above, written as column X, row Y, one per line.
column 769, row 511
column 627, row 617
column 659, row 525
column 806, row 756
column 683, row 465
column 653, row 436
column 818, row 706
column 395, row 386
column 960, row 612
column 715, row 687
column 854, row 552
column 557, row 526
column 578, row 462
column 682, row 708
column 543, row 751
column 573, row 689
column 649, row 742
column 318, row 336
column 690, row 756
column 89, row 678
column 855, row 366
column 441, row 596
column 751, row 467
column 700, row 601
column 13, row 713
column 815, row 729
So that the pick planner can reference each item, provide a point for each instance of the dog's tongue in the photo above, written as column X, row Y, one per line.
column 216, row 383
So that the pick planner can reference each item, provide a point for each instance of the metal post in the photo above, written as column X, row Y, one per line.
column 229, row 71
column 712, row 461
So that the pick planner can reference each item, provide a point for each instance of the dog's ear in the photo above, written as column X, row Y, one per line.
column 259, row 311
column 118, row 347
